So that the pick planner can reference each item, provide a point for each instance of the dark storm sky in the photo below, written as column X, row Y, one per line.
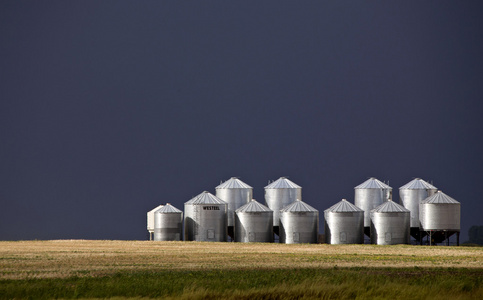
column 110, row 108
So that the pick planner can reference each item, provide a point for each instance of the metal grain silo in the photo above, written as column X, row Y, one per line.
column 168, row 224
column 235, row 193
column 205, row 218
column 410, row 196
column 440, row 216
column 390, row 224
column 344, row 224
column 150, row 220
column 279, row 194
column 299, row 223
column 369, row 195
column 254, row 223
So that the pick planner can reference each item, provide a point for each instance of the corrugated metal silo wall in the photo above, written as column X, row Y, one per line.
column 276, row 199
column 410, row 199
column 235, row 198
column 168, row 226
column 440, row 216
column 206, row 222
column 344, row 227
column 254, row 227
column 299, row 227
column 368, row 199
column 390, row 228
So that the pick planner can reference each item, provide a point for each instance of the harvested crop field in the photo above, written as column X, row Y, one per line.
column 85, row 268
column 64, row 258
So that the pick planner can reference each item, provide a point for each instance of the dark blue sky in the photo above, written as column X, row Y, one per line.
column 108, row 109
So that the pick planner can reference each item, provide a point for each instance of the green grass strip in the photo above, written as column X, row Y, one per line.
column 335, row 283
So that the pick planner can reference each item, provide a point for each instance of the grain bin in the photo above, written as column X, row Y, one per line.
column 150, row 220
column 390, row 224
column 440, row 212
column 168, row 224
column 440, row 217
column 344, row 224
column 369, row 195
column 279, row 194
column 410, row 196
column 254, row 223
column 235, row 193
column 299, row 223
column 205, row 218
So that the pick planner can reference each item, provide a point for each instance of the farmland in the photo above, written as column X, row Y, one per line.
column 100, row 269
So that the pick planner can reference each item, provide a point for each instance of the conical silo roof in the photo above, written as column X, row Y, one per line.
column 168, row 209
column 156, row 208
column 233, row 183
column 373, row 183
column 390, row 206
column 205, row 198
column 283, row 183
column 298, row 206
column 253, row 206
column 418, row 184
column 343, row 206
column 440, row 197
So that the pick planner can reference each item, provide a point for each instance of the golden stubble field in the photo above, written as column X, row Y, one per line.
column 64, row 258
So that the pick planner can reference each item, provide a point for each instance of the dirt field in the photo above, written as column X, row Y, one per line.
column 64, row 258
